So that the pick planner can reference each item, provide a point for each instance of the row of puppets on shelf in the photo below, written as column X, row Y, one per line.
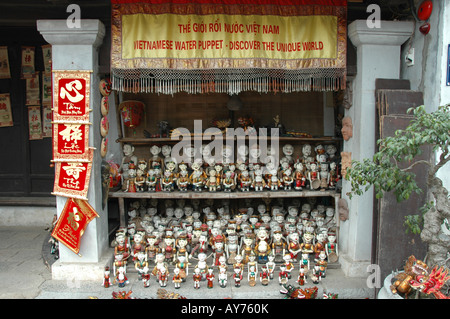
column 207, row 235
column 316, row 169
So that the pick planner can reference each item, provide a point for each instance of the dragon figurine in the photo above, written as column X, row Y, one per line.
column 122, row 295
column 164, row 294
column 431, row 283
column 412, row 268
column 417, row 276
column 330, row 295
column 245, row 122
column 291, row 292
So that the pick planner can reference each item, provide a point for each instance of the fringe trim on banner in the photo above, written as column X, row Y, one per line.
column 227, row 81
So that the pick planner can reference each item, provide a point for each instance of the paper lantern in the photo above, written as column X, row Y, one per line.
column 425, row 10
column 425, row 28
column 234, row 103
column 132, row 112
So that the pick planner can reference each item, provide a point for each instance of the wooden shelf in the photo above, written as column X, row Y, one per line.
column 223, row 195
column 121, row 196
column 159, row 140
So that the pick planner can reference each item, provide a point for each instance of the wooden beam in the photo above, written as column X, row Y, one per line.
column 222, row 195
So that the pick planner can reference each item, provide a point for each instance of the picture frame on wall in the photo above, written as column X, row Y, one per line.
column 6, row 118
column 33, row 90
column 46, row 88
column 47, row 115
column 34, row 122
column 47, row 57
column 5, row 72
column 28, row 67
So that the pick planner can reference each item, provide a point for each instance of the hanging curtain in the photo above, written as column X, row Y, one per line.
column 228, row 46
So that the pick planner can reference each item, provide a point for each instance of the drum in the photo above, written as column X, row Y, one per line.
column 315, row 184
column 104, row 106
column 333, row 257
column 104, row 147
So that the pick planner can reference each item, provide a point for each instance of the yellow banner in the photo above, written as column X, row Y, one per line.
column 168, row 46
column 229, row 36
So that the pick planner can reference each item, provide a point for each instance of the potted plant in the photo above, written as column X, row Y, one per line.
column 390, row 171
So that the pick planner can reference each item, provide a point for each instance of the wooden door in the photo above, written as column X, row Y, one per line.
column 391, row 244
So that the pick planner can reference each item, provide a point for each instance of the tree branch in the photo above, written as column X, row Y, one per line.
column 414, row 164
column 441, row 163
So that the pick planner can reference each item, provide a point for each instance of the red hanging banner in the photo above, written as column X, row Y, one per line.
column 72, row 178
column 71, row 96
column 72, row 154
column 72, row 222
column 70, row 142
